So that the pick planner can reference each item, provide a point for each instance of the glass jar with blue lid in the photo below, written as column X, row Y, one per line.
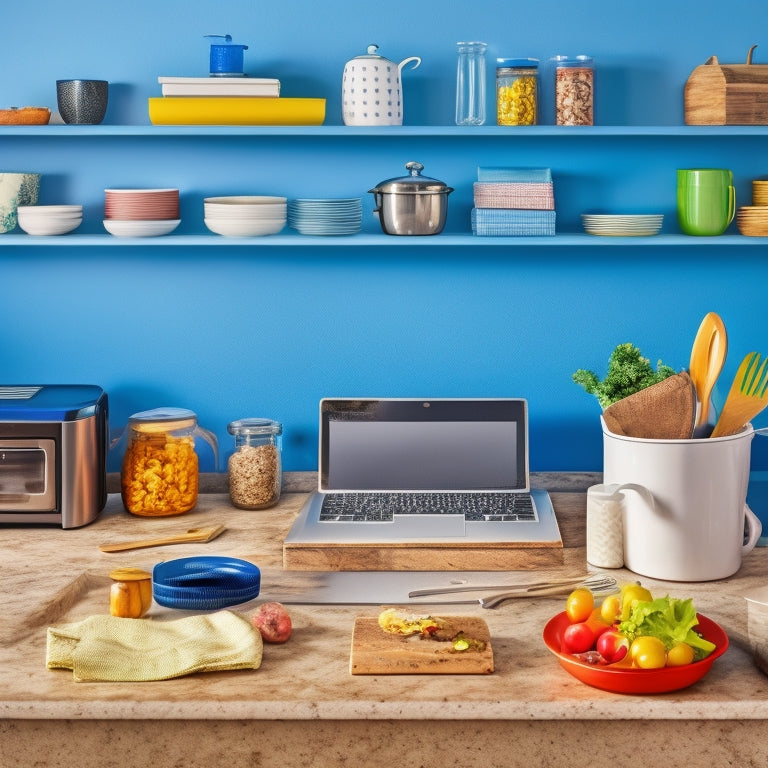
column 517, row 87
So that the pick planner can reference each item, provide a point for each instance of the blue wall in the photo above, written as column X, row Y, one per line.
column 234, row 332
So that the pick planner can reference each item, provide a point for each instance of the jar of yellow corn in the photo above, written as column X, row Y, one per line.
column 160, row 475
column 517, row 82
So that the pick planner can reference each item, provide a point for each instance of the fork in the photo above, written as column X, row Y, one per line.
column 747, row 397
column 598, row 584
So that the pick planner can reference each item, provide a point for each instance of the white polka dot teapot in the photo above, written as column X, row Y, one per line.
column 372, row 92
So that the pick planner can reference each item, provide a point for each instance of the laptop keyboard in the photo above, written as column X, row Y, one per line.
column 381, row 507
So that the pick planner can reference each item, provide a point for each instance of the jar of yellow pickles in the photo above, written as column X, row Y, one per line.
column 517, row 86
column 160, row 475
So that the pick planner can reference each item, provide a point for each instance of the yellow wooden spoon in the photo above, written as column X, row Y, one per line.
column 707, row 358
column 192, row 535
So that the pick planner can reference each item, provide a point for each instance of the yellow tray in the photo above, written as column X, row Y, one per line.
column 236, row 110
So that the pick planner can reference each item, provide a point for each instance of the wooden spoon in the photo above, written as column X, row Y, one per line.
column 192, row 535
column 707, row 357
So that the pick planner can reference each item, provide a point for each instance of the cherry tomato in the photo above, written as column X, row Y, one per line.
column 679, row 655
column 610, row 609
column 612, row 646
column 579, row 605
column 596, row 623
column 630, row 595
column 648, row 653
column 578, row 638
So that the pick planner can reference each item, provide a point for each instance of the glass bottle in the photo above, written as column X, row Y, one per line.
column 517, row 86
column 574, row 90
column 470, row 84
column 255, row 467
column 160, row 470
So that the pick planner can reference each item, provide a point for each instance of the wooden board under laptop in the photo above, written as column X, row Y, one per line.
column 409, row 556
column 376, row 652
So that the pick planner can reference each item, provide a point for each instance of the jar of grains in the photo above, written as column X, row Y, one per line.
column 160, row 475
column 574, row 90
column 255, row 466
column 516, row 91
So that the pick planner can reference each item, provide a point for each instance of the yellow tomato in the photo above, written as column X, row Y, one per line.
column 630, row 595
column 648, row 653
column 679, row 655
column 610, row 609
column 579, row 605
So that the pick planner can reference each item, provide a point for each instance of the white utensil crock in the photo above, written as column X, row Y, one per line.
column 695, row 530
column 372, row 91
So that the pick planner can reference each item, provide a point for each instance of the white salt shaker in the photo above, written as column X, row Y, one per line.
column 605, row 522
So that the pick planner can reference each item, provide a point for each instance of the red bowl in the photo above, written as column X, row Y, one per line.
column 623, row 679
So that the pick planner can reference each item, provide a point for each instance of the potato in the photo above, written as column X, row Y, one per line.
column 273, row 622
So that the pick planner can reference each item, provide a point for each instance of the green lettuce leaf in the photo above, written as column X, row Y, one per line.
column 669, row 619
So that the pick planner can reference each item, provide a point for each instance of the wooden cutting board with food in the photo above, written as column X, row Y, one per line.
column 399, row 643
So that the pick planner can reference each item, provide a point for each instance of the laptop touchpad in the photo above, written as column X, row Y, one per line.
column 426, row 526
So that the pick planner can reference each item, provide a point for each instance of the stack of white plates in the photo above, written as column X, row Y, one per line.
column 245, row 215
column 622, row 225
column 141, row 212
column 49, row 219
column 326, row 216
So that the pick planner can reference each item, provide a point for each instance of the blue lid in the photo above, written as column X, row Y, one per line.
column 205, row 583
column 513, row 63
column 56, row 402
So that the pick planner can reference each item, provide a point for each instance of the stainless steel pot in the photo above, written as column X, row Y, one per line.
column 411, row 205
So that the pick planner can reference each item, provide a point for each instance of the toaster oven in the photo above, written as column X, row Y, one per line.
column 53, row 454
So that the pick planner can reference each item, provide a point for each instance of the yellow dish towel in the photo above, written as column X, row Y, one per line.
column 110, row 648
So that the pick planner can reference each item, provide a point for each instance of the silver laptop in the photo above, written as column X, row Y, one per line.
column 397, row 470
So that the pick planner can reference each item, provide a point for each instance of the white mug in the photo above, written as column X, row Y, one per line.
column 695, row 529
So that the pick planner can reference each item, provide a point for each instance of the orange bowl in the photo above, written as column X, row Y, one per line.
column 618, row 678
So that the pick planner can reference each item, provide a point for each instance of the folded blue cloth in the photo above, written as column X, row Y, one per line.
column 501, row 222
column 541, row 175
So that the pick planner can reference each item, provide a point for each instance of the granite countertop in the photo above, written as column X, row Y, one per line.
column 54, row 576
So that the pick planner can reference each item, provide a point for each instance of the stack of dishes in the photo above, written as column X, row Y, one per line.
column 752, row 220
column 759, row 192
column 245, row 215
column 49, row 219
column 622, row 225
column 326, row 216
column 141, row 212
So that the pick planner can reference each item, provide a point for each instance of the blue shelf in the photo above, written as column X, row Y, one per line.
column 436, row 131
column 379, row 240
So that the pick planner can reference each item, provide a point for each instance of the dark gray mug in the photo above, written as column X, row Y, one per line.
column 82, row 102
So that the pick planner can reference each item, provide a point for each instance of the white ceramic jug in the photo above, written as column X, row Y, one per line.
column 372, row 91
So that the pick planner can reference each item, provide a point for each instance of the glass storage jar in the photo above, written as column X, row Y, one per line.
column 255, row 466
column 160, row 470
column 574, row 90
column 470, row 84
column 517, row 86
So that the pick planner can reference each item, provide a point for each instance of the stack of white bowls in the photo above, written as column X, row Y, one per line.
column 245, row 215
column 141, row 212
column 49, row 219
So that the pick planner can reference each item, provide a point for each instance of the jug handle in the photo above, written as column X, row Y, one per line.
column 754, row 529
column 408, row 61
column 731, row 203
column 641, row 489
column 210, row 438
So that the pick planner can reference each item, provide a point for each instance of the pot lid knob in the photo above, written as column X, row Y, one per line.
column 415, row 168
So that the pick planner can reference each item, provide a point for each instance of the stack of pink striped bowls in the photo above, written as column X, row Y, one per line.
column 141, row 212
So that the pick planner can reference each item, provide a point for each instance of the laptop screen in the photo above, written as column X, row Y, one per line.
column 423, row 445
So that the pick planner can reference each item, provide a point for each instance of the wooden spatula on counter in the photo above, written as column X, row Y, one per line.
column 192, row 535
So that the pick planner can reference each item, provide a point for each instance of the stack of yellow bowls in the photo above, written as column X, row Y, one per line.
column 752, row 220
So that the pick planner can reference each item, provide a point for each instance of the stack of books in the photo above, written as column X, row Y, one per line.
column 219, row 86
column 230, row 101
column 513, row 202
